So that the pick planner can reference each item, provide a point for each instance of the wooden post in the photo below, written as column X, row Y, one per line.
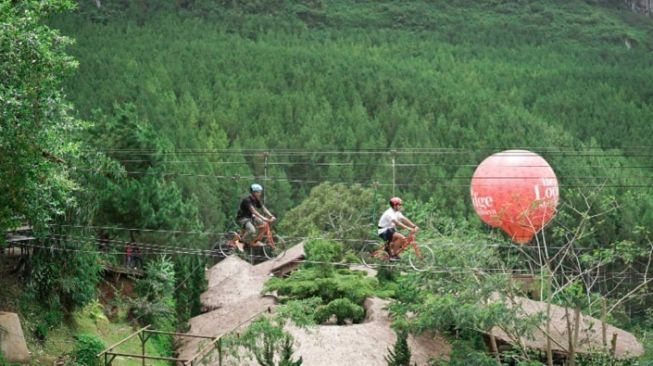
column 394, row 171
column 265, row 171
column 576, row 329
column 142, row 338
column 220, row 351
column 570, row 348
column 604, row 330
column 613, row 350
column 495, row 349
column 549, row 352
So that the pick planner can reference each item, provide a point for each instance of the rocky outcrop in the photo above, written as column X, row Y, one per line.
column 12, row 340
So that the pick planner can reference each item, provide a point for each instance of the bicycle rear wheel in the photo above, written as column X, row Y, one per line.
column 225, row 246
column 372, row 255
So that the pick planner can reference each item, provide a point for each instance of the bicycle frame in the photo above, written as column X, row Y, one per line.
column 267, row 232
column 409, row 240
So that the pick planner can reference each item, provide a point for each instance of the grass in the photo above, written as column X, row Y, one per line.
column 647, row 341
column 61, row 341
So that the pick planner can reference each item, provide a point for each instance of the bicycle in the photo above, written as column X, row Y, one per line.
column 418, row 258
column 271, row 245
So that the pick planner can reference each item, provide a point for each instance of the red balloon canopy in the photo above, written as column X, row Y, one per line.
column 515, row 190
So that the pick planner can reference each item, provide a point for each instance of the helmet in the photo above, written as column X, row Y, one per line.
column 394, row 201
column 255, row 188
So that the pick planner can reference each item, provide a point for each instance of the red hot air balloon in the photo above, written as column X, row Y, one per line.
column 517, row 191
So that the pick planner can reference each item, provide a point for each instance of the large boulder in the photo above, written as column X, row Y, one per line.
column 12, row 340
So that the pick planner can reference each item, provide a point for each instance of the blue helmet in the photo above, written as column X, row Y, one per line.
column 255, row 188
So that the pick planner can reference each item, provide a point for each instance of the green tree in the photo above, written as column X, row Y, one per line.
column 464, row 300
column 156, row 304
column 190, row 283
column 334, row 210
column 63, row 282
column 400, row 354
column 37, row 147
column 40, row 145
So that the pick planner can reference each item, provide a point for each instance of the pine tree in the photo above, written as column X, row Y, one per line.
column 400, row 355
column 286, row 354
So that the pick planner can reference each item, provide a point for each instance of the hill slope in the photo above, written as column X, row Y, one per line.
column 567, row 78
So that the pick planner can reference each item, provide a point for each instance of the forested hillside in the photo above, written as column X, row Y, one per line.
column 569, row 79
column 176, row 107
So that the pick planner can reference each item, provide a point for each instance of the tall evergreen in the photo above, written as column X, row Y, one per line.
column 400, row 354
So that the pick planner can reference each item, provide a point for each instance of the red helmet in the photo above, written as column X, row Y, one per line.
column 394, row 201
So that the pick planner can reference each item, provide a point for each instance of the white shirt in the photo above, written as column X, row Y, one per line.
column 386, row 220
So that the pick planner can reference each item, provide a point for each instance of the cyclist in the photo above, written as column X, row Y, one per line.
column 388, row 223
column 250, row 219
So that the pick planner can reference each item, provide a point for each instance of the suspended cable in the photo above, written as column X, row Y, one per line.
column 365, row 164
column 400, row 266
column 420, row 183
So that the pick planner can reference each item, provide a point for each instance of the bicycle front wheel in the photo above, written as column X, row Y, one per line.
column 277, row 249
column 420, row 262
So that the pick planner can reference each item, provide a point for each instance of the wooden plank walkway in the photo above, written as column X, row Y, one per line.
column 12, row 238
column 123, row 270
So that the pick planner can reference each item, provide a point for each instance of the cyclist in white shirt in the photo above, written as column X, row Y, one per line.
column 388, row 223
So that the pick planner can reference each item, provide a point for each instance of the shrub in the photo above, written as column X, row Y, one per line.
column 86, row 349
column 343, row 309
column 321, row 250
column 41, row 331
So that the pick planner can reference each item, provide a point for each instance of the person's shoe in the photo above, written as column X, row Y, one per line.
column 232, row 239
column 394, row 258
column 240, row 246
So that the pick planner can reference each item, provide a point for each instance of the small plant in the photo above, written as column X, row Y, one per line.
column 465, row 353
column 602, row 359
column 400, row 355
column 351, row 257
column 3, row 362
column 86, row 349
column 41, row 331
column 266, row 340
column 286, row 353
column 95, row 311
